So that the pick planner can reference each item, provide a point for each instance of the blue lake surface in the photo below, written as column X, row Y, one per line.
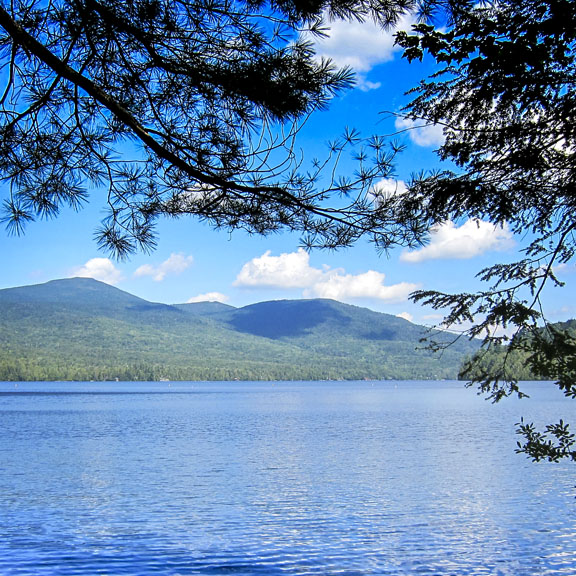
column 349, row 479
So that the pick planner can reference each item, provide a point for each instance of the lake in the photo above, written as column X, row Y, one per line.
column 293, row 478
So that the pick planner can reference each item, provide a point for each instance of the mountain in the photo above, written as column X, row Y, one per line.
column 204, row 308
column 298, row 319
column 82, row 329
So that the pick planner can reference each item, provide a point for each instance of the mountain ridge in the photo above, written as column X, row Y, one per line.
column 83, row 329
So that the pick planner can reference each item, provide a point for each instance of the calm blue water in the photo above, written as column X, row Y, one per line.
column 278, row 479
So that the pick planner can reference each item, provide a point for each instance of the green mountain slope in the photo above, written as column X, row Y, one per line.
column 204, row 308
column 306, row 320
column 81, row 329
column 342, row 331
column 514, row 361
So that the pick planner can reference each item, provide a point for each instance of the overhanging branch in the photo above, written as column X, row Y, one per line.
column 36, row 48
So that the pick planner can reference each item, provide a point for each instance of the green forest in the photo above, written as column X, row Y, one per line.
column 81, row 329
column 525, row 357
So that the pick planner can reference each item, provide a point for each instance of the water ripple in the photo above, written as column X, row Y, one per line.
column 289, row 482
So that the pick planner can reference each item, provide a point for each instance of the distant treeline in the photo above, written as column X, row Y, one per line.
column 514, row 362
column 44, row 370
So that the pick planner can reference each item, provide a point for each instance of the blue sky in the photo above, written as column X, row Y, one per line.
column 192, row 262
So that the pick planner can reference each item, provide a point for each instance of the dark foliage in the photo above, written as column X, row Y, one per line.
column 505, row 95
column 166, row 108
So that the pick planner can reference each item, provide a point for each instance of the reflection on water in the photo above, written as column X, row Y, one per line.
column 285, row 478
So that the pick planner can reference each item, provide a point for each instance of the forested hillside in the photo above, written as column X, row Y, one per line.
column 514, row 362
column 81, row 329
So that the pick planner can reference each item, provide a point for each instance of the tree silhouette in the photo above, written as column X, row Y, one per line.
column 505, row 96
column 180, row 108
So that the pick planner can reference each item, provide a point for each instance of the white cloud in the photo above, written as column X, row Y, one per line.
column 175, row 264
column 360, row 45
column 209, row 297
column 339, row 286
column 391, row 187
column 285, row 271
column 102, row 269
column 386, row 189
column 420, row 133
column 564, row 268
column 406, row 316
column 289, row 271
column 473, row 238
